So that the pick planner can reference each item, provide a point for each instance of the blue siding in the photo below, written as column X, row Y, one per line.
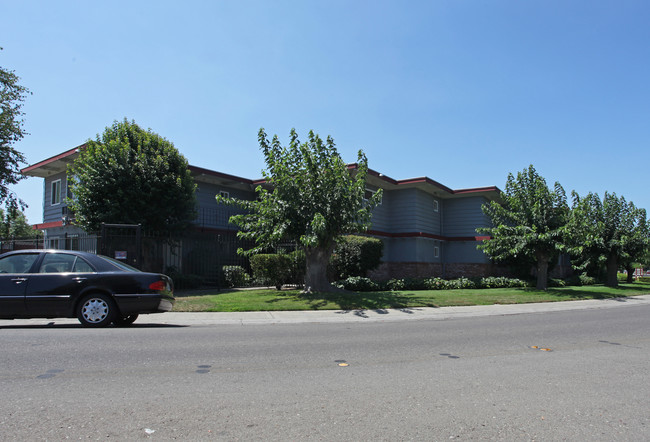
column 411, row 210
column 464, row 252
column 51, row 212
column 213, row 215
column 381, row 214
column 463, row 216
column 412, row 250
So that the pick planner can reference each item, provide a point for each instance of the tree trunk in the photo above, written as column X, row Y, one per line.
column 612, row 271
column 542, row 270
column 630, row 273
column 317, row 260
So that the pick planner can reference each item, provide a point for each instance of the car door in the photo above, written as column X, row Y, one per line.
column 56, row 284
column 14, row 276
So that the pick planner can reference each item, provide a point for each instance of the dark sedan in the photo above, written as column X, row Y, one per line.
column 95, row 289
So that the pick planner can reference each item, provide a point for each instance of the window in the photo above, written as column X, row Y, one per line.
column 224, row 194
column 436, row 206
column 64, row 263
column 369, row 193
column 17, row 263
column 436, row 252
column 56, row 192
column 68, row 188
column 81, row 266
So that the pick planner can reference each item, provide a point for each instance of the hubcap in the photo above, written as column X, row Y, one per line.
column 95, row 310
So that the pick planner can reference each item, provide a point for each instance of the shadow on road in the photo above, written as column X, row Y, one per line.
column 54, row 325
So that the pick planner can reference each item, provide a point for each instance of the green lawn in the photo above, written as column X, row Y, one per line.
column 271, row 299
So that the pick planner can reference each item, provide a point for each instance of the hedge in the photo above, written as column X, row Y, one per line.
column 355, row 256
column 277, row 269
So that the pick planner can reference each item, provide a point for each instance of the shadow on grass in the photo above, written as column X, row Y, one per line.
column 348, row 300
column 594, row 292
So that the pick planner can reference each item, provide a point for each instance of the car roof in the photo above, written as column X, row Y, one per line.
column 100, row 264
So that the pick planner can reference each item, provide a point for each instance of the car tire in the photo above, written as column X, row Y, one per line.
column 96, row 310
column 125, row 321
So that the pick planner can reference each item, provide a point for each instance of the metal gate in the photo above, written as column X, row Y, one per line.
column 122, row 242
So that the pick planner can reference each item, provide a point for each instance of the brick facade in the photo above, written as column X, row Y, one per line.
column 389, row 270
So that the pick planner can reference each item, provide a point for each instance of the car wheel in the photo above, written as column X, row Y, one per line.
column 123, row 321
column 96, row 310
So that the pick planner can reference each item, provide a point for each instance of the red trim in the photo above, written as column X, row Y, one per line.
column 426, row 180
column 53, row 159
column 478, row 189
column 47, row 225
column 427, row 235
column 219, row 174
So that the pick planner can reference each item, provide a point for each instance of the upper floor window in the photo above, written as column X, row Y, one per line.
column 224, row 194
column 436, row 206
column 369, row 193
column 56, row 192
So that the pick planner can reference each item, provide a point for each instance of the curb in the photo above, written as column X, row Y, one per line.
column 347, row 316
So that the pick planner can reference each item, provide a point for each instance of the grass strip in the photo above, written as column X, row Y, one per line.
column 274, row 300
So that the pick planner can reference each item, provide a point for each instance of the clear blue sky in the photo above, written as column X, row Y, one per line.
column 461, row 91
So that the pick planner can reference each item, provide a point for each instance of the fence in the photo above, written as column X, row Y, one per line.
column 198, row 255
column 9, row 244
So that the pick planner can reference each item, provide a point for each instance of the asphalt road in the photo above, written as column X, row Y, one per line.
column 461, row 378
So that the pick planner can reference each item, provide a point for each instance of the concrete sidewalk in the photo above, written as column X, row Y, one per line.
column 343, row 316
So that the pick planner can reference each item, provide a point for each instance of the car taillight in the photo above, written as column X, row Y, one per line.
column 158, row 286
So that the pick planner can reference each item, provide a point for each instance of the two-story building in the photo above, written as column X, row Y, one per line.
column 427, row 228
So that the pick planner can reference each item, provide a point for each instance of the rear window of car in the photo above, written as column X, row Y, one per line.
column 64, row 263
column 119, row 264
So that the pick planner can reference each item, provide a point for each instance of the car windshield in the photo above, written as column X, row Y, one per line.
column 119, row 264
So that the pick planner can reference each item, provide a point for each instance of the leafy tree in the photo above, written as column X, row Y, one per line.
column 132, row 176
column 13, row 224
column 637, row 245
column 311, row 197
column 610, row 232
column 528, row 223
column 12, row 96
column 355, row 256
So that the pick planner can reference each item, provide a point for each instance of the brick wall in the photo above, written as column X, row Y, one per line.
column 388, row 270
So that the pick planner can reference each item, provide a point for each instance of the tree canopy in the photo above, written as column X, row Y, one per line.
column 528, row 223
column 13, row 224
column 129, row 175
column 611, row 232
column 12, row 96
column 311, row 197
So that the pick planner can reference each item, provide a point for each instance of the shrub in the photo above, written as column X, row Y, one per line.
column 435, row 283
column 235, row 276
column 494, row 282
column 271, row 269
column 555, row 282
column 462, row 283
column 580, row 280
column 357, row 284
column 183, row 281
column 395, row 285
column 406, row 284
column 587, row 280
column 355, row 256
